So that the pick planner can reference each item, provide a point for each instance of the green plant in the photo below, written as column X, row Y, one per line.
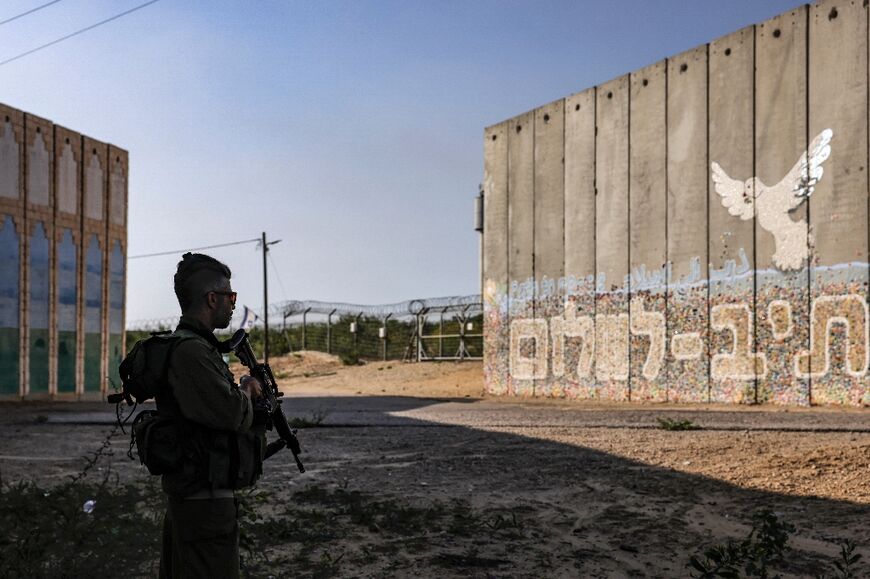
column 79, row 528
column 671, row 424
column 349, row 357
column 845, row 566
column 316, row 419
column 765, row 545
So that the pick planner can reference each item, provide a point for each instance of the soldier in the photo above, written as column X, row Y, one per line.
column 222, row 437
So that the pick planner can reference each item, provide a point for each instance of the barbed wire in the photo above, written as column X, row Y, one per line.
column 409, row 307
column 286, row 309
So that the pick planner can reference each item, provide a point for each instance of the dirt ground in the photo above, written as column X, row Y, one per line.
column 321, row 374
column 518, row 488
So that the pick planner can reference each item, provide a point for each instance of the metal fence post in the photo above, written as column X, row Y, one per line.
column 304, row 327
column 329, row 332
column 419, row 339
column 441, row 333
column 284, row 332
column 356, row 329
column 463, row 351
column 384, row 339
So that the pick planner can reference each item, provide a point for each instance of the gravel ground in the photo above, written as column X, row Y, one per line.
column 589, row 490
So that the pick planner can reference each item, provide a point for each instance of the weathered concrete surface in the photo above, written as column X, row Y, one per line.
column 55, row 185
column 734, row 364
column 687, row 319
column 549, row 221
column 838, row 205
column 611, row 234
column 648, row 231
column 521, row 235
column 495, row 257
column 759, row 125
column 780, row 140
column 579, row 379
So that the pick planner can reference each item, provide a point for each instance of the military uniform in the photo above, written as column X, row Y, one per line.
column 222, row 450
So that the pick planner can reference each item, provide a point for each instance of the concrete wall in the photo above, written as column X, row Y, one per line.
column 695, row 231
column 63, row 240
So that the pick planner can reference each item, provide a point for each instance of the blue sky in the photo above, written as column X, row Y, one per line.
column 351, row 130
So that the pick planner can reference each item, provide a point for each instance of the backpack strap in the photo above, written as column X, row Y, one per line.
column 175, row 341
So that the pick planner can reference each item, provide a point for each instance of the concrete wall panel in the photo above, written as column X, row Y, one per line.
column 62, row 268
column 118, row 172
column 527, row 347
column 734, row 362
column 611, row 233
column 39, row 164
column 12, row 245
column 68, row 331
column 11, row 159
column 687, row 313
column 94, row 186
column 574, row 345
column 495, row 259
column 94, row 286
column 116, row 260
column 837, row 359
column 549, row 259
column 781, row 248
column 67, row 177
column 37, row 345
column 766, row 255
column 647, row 232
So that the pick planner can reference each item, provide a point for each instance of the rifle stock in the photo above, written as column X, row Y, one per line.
column 240, row 344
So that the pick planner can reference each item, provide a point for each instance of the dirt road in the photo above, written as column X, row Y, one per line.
column 417, row 475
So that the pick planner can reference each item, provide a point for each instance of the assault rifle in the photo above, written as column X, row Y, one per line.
column 271, row 397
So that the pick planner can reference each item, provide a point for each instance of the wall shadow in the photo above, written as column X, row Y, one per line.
column 599, row 508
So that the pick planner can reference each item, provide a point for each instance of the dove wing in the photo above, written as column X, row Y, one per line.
column 801, row 181
column 732, row 193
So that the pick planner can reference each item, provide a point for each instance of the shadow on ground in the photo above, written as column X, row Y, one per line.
column 576, row 510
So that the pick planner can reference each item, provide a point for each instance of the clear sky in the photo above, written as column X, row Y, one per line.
column 350, row 130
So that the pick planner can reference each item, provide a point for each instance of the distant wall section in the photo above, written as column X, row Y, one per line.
column 63, row 241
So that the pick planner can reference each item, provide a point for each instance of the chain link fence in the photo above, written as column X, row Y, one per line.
column 445, row 328
column 448, row 328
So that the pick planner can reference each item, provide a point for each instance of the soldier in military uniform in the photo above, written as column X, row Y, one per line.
column 222, row 436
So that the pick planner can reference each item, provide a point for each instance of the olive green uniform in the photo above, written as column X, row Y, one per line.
column 200, row 529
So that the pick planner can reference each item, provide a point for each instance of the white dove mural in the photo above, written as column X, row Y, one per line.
column 773, row 204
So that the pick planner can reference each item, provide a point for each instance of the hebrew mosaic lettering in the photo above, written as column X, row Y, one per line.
column 741, row 363
column 611, row 341
column 850, row 311
column 571, row 326
column 529, row 359
column 651, row 325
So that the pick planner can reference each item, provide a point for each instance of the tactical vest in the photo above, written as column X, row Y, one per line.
column 202, row 457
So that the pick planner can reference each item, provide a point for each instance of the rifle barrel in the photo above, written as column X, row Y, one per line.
column 262, row 372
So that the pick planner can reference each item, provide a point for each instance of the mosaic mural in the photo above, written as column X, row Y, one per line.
column 588, row 352
column 576, row 348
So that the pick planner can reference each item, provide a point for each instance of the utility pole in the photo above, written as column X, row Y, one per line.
column 265, row 246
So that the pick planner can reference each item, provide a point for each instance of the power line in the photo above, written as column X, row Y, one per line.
column 278, row 275
column 31, row 11
column 77, row 32
column 177, row 251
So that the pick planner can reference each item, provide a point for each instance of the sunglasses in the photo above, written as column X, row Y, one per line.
column 232, row 295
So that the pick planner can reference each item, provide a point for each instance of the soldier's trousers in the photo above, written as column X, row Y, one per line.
column 200, row 539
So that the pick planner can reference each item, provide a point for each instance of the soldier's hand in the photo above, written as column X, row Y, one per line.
column 252, row 386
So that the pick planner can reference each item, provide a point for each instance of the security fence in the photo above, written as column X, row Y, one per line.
column 418, row 330
column 446, row 328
